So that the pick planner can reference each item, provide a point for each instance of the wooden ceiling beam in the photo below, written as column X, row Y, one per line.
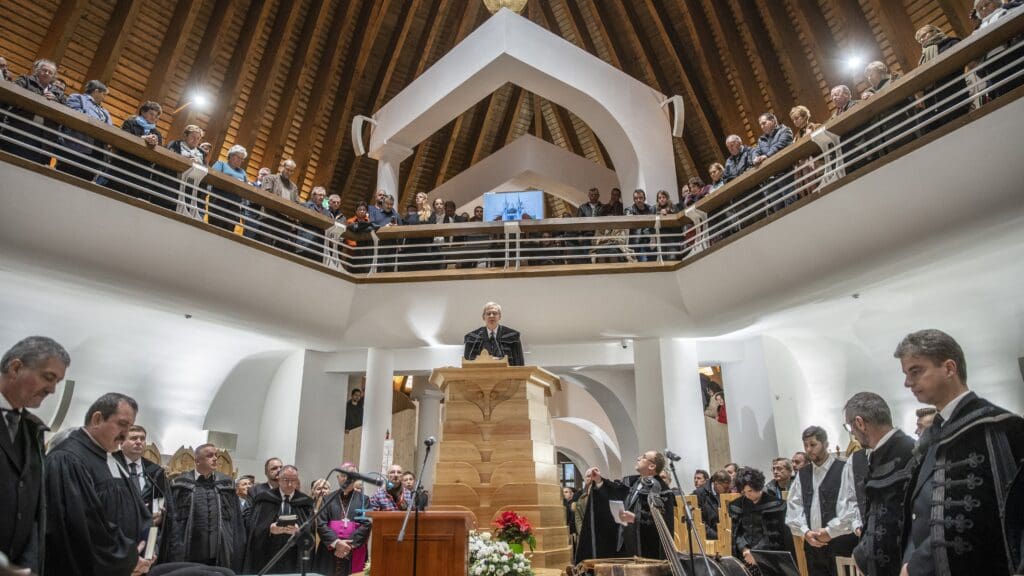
column 58, row 34
column 515, row 103
column 794, row 62
column 698, row 100
column 493, row 111
column 710, row 65
column 115, row 34
column 234, row 77
column 428, row 45
column 179, row 30
column 762, row 55
column 729, row 43
column 469, row 22
column 520, row 112
column 614, row 51
column 341, row 117
column 350, row 19
column 860, row 38
column 213, row 38
column 898, row 28
column 269, row 69
column 399, row 44
column 815, row 28
column 578, row 27
column 958, row 13
column 316, row 25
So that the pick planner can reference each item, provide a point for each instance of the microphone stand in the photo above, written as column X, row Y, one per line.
column 416, row 493
column 690, row 528
column 303, row 534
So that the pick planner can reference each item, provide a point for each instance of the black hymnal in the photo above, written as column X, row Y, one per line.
column 287, row 520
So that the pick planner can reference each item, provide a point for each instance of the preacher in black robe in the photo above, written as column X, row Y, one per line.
column 204, row 521
column 499, row 341
column 878, row 552
column 598, row 530
column 262, row 545
column 95, row 515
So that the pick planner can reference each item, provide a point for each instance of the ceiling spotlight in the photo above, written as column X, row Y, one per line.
column 200, row 100
column 854, row 63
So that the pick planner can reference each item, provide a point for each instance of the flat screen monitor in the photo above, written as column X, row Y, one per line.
column 501, row 206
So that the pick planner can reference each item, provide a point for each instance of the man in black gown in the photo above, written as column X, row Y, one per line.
column 885, row 483
column 204, row 516
column 29, row 372
column 639, row 535
column 266, row 537
column 96, row 520
column 499, row 341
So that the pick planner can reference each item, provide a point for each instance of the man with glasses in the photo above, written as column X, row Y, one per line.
column 889, row 451
column 277, row 515
column 638, row 534
column 500, row 341
column 40, row 82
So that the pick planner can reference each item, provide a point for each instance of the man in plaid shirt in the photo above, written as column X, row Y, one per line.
column 392, row 496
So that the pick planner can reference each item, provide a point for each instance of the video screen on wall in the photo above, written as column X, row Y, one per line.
column 519, row 205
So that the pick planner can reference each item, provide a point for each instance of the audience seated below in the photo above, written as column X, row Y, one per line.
column 84, row 157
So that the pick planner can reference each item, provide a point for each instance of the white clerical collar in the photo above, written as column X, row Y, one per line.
column 947, row 412
column 4, row 404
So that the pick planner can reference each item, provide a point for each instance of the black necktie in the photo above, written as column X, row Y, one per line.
column 13, row 418
column 133, row 473
column 286, row 506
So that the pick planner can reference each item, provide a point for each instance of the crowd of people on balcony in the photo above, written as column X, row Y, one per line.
column 84, row 157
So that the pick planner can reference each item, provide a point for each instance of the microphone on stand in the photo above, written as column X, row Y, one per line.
column 353, row 476
column 672, row 455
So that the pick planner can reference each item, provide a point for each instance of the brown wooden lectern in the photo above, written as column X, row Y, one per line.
column 443, row 544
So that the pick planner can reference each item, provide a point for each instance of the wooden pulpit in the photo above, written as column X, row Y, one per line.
column 443, row 548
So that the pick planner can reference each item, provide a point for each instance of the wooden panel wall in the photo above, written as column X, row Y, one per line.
column 288, row 75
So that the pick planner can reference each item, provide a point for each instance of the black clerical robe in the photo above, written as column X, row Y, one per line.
column 95, row 518
column 955, row 512
column 262, row 545
column 599, row 534
column 641, row 538
column 22, row 504
column 156, row 485
column 204, row 521
column 507, row 343
column 761, row 527
column 885, row 485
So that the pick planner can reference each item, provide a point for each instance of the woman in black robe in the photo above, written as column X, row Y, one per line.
column 759, row 523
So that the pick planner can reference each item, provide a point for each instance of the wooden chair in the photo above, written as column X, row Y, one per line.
column 724, row 546
column 682, row 535
column 847, row 567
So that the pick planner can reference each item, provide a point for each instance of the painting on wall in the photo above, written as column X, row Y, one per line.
column 716, row 420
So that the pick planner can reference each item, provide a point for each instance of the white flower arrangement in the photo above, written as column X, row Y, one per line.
column 489, row 557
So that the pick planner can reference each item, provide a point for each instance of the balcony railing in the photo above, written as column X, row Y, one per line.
column 922, row 106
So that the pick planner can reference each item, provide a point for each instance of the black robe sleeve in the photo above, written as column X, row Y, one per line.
column 473, row 344
column 512, row 345
column 80, row 539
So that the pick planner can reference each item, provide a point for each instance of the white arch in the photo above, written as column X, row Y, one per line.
column 624, row 113
column 533, row 161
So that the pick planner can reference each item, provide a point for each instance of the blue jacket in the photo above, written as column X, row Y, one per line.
column 86, row 105
column 773, row 142
column 738, row 164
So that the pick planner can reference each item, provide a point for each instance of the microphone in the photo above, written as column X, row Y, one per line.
column 430, row 442
column 672, row 455
column 352, row 476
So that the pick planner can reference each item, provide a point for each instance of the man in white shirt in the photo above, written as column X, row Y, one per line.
column 822, row 505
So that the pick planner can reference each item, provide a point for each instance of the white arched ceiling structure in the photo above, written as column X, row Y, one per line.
column 626, row 114
column 532, row 162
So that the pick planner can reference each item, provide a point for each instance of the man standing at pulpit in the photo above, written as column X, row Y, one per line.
column 499, row 341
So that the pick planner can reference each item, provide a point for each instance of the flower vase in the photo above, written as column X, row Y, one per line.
column 516, row 547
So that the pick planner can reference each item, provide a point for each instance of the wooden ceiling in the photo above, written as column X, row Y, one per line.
column 288, row 76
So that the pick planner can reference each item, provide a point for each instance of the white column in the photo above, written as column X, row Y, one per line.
column 428, row 425
column 749, row 405
column 669, row 405
column 380, row 373
column 389, row 163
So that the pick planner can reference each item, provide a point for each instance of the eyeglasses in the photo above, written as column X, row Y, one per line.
column 848, row 427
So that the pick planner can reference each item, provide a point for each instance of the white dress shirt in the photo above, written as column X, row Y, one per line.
column 947, row 412
column 846, row 505
column 139, row 470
